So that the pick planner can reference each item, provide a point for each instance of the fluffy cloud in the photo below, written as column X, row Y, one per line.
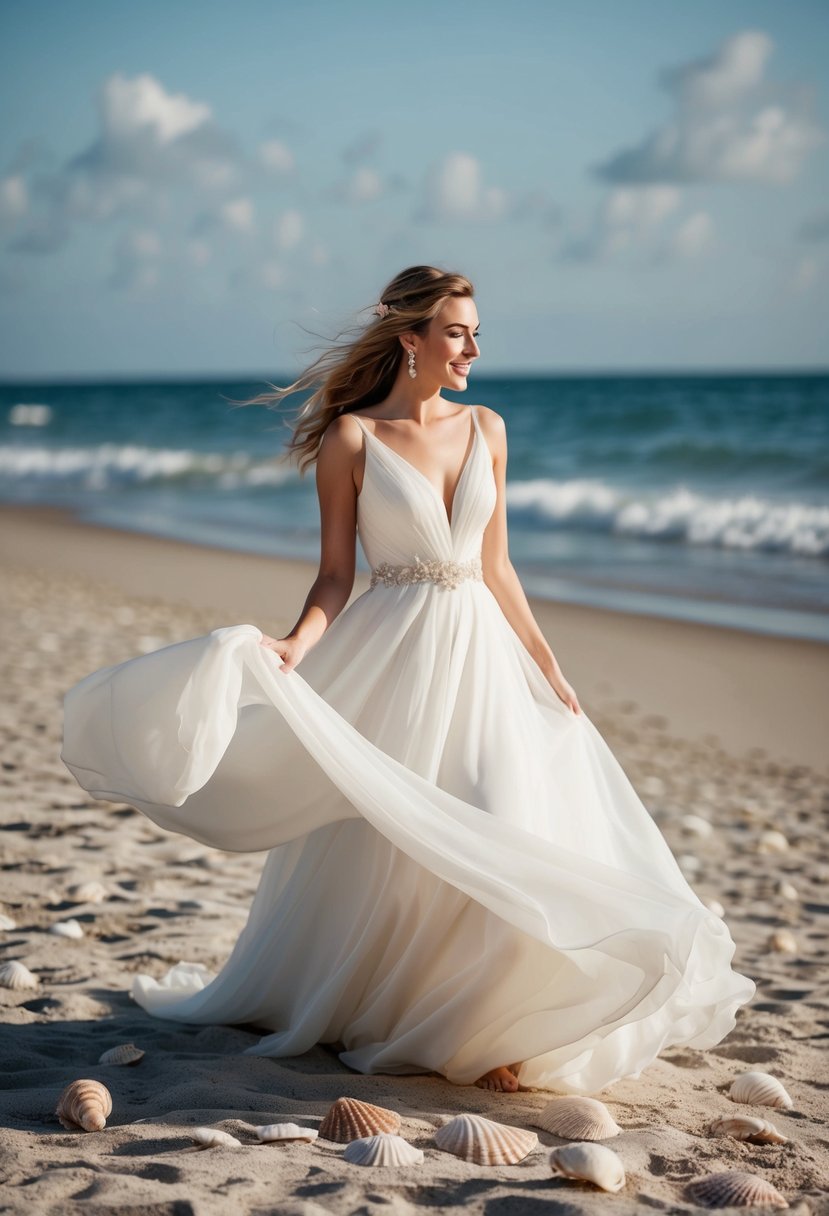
column 626, row 218
column 276, row 156
column 454, row 190
column 288, row 229
column 727, row 125
column 237, row 214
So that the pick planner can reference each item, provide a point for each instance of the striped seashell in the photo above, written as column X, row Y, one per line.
column 576, row 1118
column 735, row 1189
column 67, row 928
column 350, row 1119
column 213, row 1137
column 123, row 1054
column 274, row 1133
column 589, row 1162
column 759, row 1089
column 17, row 976
column 84, row 1104
column 484, row 1141
column 746, row 1127
column 385, row 1148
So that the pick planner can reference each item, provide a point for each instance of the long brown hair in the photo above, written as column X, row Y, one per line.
column 361, row 371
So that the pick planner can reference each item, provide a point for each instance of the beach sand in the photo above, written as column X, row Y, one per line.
column 726, row 726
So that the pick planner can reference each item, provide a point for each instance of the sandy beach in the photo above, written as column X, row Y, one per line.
column 722, row 732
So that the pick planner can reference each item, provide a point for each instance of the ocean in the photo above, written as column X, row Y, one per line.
column 700, row 497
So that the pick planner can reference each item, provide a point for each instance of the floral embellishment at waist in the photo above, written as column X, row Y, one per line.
column 445, row 573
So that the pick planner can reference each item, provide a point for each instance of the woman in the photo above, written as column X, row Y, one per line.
column 461, row 878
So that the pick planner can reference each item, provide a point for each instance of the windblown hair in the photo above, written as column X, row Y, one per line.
column 361, row 371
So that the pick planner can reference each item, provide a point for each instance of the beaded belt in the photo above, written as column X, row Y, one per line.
column 444, row 573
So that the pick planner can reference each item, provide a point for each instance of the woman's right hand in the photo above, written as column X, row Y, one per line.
column 290, row 650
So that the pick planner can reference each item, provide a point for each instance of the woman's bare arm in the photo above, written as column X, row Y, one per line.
column 499, row 572
column 337, row 494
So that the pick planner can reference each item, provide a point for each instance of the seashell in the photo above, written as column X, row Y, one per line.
column 689, row 862
column 484, row 1141
column 87, row 893
column 589, row 1162
column 746, row 1127
column 350, row 1119
column 66, row 928
column 17, row 976
column 576, row 1118
column 735, row 1189
column 385, row 1148
column 273, row 1133
column 6, row 922
column 759, row 1089
column 714, row 905
column 787, row 890
column 772, row 841
column 782, row 941
column 123, row 1054
column 84, row 1104
column 213, row 1137
column 695, row 825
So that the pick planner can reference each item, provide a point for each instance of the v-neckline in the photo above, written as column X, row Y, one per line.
column 450, row 519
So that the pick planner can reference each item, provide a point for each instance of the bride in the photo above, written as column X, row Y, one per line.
column 461, row 878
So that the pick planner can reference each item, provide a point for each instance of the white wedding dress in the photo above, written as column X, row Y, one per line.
column 461, row 874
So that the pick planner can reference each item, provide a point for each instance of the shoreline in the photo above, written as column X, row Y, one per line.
column 750, row 692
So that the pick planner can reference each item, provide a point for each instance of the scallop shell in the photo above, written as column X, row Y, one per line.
column 759, row 1089
column 87, row 893
column 782, row 941
column 746, row 1127
column 484, row 1141
column 84, row 1104
column 124, row 1053
column 66, row 928
column 213, row 1137
column 385, row 1148
column 736, row 1189
column 273, row 1133
column 6, row 922
column 589, row 1162
column 576, row 1118
column 17, row 976
column 350, row 1119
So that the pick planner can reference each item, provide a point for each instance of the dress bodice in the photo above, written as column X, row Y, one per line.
column 402, row 517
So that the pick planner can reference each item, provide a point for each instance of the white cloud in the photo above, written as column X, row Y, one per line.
column 276, row 156
column 727, row 125
column 14, row 200
column 364, row 185
column 130, row 108
column 627, row 218
column 690, row 240
column 454, row 190
column 288, row 229
column 237, row 214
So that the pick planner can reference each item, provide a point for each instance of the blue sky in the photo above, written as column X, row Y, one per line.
column 213, row 187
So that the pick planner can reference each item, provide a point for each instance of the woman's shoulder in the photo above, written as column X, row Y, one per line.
column 492, row 423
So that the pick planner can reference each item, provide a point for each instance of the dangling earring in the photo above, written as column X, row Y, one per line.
column 412, row 371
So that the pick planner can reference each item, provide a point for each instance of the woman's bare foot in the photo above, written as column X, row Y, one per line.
column 502, row 1078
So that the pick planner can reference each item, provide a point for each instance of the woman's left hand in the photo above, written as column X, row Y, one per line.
column 564, row 690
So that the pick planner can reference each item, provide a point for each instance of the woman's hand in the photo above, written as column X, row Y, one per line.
column 564, row 690
column 290, row 650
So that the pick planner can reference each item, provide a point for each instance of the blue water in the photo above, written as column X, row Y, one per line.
column 702, row 497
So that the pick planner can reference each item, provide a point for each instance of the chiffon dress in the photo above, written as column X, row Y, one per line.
column 460, row 874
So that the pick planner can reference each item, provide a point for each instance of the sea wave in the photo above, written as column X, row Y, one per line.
column 108, row 465
column 747, row 521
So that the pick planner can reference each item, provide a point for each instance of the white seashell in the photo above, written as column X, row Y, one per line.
column 212, row 1137
column 687, row 861
column 653, row 786
column 714, row 905
column 484, row 1141
column 87, row 893
column 66, row 928
column 772, row 841
column 386, row 1148
column 577, row 1118
column 273, row 1133
column 787, row 890
column 6, row 922
column 123, row 1054
column 695, row 825
column 782, row 941
column 84, row 1104
column 759, row 1089
column 589, row 1163
column 736, row 1189
column 17, row 976
column 746, row 1127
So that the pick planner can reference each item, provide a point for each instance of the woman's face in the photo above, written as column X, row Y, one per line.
column 445, row 353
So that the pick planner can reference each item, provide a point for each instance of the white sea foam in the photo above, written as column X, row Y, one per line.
column 116, row 464
column 30, row 414
column 745, row 522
